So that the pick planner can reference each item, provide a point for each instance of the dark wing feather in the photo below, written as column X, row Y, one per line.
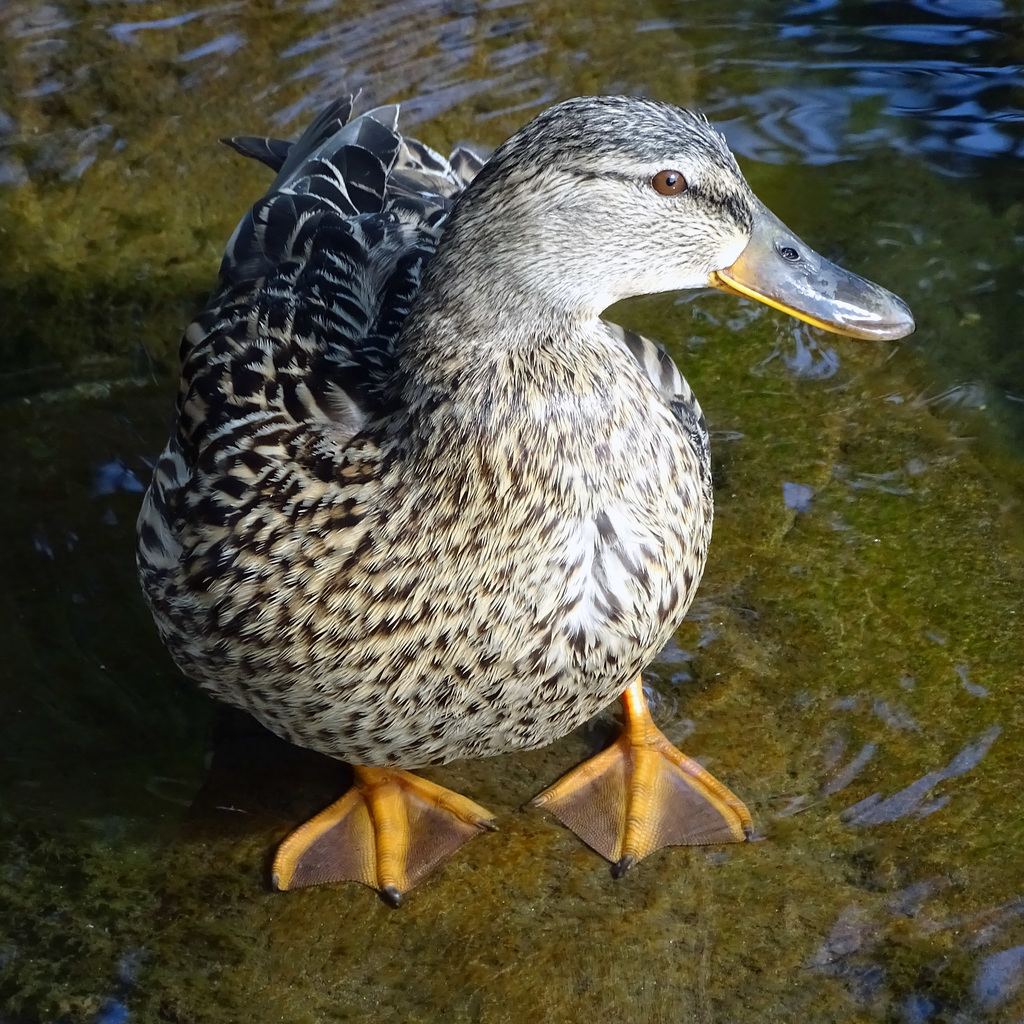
column 318, row 277
column 272, row 152
column 328, row 123
column 314, row 287
column 275, row 152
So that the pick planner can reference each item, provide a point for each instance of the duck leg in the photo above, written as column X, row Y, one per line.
column 389, row 831
column 641, row 794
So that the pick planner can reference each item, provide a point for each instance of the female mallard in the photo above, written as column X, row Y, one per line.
column 421, row 503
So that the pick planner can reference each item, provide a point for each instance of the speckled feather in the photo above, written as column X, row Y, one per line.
column 417, row 507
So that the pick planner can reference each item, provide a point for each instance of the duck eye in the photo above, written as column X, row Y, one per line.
column 669, row 183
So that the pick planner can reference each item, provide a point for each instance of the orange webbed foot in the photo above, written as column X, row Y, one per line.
column 641, row 794
column 389, row 831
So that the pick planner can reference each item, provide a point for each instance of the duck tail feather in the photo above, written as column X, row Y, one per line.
column 272, row 152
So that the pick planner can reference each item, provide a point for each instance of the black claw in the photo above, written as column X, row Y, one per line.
column 748, row 833
column 620, row 867
column 391, row 896
column 488, row 825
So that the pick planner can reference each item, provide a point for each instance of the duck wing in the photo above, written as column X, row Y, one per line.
column 663, row 373
column 299, row 336
column 318, row 277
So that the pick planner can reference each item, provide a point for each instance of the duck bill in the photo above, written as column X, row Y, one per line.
column 777, row 268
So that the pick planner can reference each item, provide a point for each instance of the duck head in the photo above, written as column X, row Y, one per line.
column 601, row 198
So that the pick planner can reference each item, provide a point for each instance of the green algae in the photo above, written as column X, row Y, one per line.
column 839, row 602
column 126, row 874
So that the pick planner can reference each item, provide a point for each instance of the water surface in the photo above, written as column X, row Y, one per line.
column 851, row 666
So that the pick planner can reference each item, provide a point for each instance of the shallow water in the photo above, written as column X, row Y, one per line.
column 850, row 668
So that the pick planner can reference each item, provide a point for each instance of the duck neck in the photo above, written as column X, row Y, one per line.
column 469, row 314
column 511, row 266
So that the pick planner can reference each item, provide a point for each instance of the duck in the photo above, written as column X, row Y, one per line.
column 422, row 503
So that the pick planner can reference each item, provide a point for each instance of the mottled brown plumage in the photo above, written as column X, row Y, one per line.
column 422, row 506
column 515, row 531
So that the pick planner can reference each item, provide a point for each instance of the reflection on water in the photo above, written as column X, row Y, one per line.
column 427, row 47
column 821, row 81
column 852, row 663
column 874, row 809
column 941, row 80
column 851, row 949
